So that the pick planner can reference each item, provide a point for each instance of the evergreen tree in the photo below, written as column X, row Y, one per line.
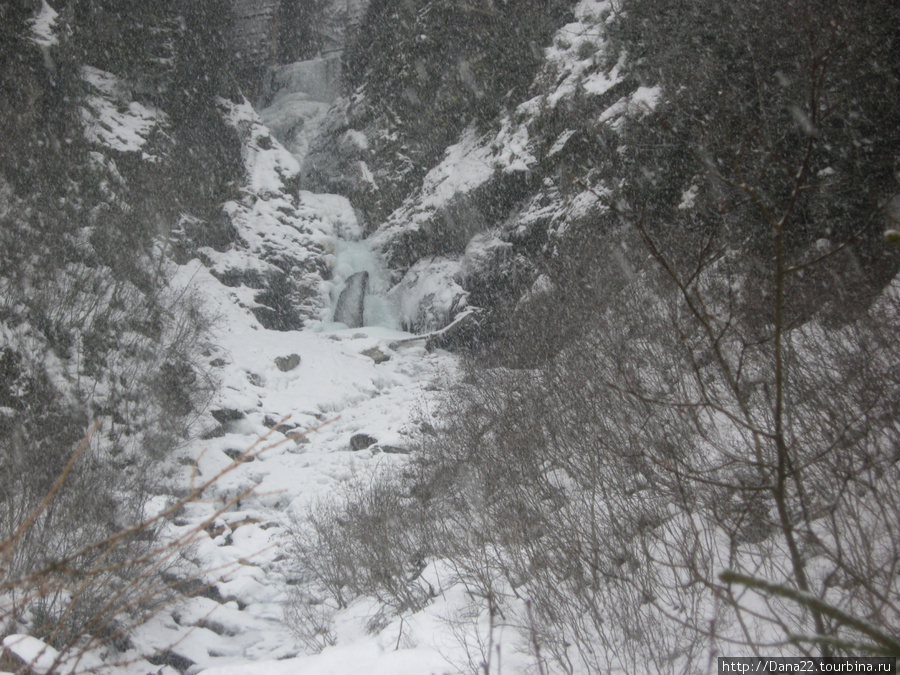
column 88, row 328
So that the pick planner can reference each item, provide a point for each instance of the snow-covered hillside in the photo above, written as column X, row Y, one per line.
column 547, row 285
column 341, row 382
column 373, row 383
column 333, row 406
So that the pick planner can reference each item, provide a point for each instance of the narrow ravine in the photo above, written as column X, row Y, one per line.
column 365, row 390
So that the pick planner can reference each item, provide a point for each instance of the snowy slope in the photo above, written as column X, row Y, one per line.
column 500, row 201
column 325, row 378
column 337, row 385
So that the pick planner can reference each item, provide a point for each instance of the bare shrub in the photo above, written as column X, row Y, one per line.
column 368, row 541
column 611, row 485
column 704, row 466
column 106, row 582
column 311, row 619
column 705, row 462
column 144, row 381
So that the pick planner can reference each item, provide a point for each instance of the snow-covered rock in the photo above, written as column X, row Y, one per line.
column 282, row 256
column 43, row 26
column 37, row 657
column 114, row 121
column 430, row 295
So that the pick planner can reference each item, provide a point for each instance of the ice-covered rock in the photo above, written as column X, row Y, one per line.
column 352, row 301
column 319, row 78
column 430, row 295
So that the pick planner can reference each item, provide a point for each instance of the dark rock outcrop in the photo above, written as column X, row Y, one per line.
column 226, row 415
column 254, row 31
column 361, row 442
column 376, row 355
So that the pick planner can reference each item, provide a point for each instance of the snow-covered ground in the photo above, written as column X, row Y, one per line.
column 372, row 380
column 341, row 390
column 327, row 378
column 336, row 380
column 333, row 380
column 338, row 389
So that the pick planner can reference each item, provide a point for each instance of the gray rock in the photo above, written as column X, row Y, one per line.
column 215, row 432
column 285, row 428
column 286, row 363
column 376, row 355
column 362, row 441
column 319, row 79
column 256, row 379
column 234, row 454
column 352, row 301
column 254, row 22
column 392, row 449
column 169, row 658
column 226, row 415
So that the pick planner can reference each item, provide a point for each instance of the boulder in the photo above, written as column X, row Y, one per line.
column 376, row 355
column 226, row 415
column 361, row 442
column 216, row 432
column 287, row 363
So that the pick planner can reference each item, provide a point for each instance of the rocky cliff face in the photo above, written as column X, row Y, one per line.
column 416, row 77
column 340, row 21
column 450, row 148
column 274, row 32
column 123, row 159
column 255, row 35
column 439, row 172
